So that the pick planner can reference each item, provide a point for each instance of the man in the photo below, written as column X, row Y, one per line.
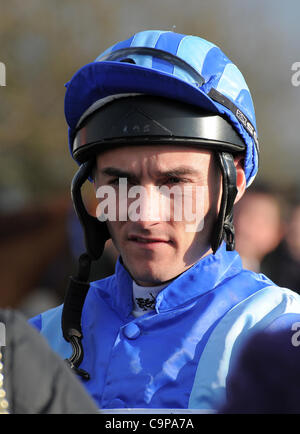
column 164, row 125
column 263, row 379
column 258, row 223
column 283, row 263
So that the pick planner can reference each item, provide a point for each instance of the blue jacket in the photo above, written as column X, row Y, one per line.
column 179, row 355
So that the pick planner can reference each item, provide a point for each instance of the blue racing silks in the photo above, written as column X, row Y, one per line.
column 179, row 355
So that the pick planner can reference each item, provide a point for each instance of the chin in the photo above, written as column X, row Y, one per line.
column 150, row 276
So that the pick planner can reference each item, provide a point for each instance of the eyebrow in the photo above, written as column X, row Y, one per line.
column 179, row 171
column 176, row 171
column 115, row 172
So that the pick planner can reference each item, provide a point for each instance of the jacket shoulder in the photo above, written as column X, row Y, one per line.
column 48, row 324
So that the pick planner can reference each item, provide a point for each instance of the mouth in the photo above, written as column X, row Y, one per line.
column 148, row 241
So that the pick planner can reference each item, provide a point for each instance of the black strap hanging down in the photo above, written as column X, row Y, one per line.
column 224, row 226
column 72, row 310
column 96, row 234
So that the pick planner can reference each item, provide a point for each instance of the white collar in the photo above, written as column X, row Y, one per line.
column 144, row 298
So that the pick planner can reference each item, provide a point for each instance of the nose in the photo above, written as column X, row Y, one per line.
column 144, row 204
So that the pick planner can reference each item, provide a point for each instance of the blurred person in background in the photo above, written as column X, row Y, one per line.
column 265, row 377
column 282, row 265
column 258, row 225
column 33, row 379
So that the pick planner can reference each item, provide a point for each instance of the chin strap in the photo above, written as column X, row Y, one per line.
column 72, row 310
column 224, row 228
column 96, row 234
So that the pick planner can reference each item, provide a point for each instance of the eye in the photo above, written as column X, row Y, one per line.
column 117, row 181
column 175, row 180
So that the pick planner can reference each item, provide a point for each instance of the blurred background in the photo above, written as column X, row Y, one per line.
column 43, row 43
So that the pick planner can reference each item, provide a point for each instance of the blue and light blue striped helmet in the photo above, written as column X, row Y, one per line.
column 185, row 68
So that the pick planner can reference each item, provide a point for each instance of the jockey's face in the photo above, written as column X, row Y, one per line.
column 166, row 201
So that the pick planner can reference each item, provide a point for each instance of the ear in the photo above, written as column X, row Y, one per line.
column 240, row 177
